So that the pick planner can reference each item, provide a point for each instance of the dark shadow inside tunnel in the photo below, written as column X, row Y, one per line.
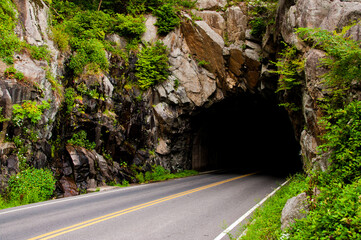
column 247, row 133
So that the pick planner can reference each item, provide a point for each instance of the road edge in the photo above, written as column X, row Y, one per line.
column 244, row 216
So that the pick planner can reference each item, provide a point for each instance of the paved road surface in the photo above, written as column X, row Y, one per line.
column 192, row 208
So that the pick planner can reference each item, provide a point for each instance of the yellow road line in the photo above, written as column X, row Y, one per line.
column 128, row 210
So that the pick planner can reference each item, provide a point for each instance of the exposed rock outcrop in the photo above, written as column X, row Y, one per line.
column 328, row 15
column 295, row 208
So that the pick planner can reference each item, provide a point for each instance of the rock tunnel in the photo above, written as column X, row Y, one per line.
column 246, row 133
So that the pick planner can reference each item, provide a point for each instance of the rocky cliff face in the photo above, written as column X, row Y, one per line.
column 331, row 16
column 212, row 61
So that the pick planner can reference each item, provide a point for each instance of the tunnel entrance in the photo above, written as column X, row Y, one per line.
column 245, row 132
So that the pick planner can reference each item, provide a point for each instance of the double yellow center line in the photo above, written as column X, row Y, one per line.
column 129, row 210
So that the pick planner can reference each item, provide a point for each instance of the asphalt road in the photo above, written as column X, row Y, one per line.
column 192, row 208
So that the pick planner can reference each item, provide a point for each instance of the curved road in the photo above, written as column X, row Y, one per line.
column 191, row 208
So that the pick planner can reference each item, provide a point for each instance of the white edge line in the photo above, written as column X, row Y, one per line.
column 78, row 197
column 239, row 220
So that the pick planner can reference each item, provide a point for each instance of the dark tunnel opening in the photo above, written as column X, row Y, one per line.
column 247, row 133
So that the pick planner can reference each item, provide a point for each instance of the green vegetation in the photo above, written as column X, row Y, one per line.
column 2, row 118
column 289, row 65
column 79, row 27
column 167, row 18
column 29, row 111
column 69, row 95
column 80, row 139
column 336, row 214
column 29, row 186
column 152, row 66
column 262, row 14
column 203, row 63
column 90, row 51
column 158, row 173
column 265, row 223
column 9, row 42
column 26, row 116
column 335, row 211
column 11, row 72
column 124, row 183
column 130, row 26
column 343, row 61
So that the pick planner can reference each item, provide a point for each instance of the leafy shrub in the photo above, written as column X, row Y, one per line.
column 262, row 14
column 337, row 215
column 167, row 19
column 343, row 61
column 9, row 42
column 11, row 72
column 69, row 95
column 152, row 65
column 88, row 51
column 64, row 10
column 80, row 139
column 343, row 139
column 129, row 26
column 290, row 65
column 39, row 52
column 335, row 212
column 31, row 185
column 89, row 24
column 29, row 110
column 258, row 26
column 203, row 63
column 158, row 173
column 60, row 37
column 186, row 3
column 266, row 220
column 140, row 177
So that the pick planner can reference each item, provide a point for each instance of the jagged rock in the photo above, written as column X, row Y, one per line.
column 315, row 89
column 211, row 4
column 90, row 168
column 118, row 40
column 150, row 34
column 252, row 61
column 195, row 84
column 34, row 16
column 295, row 208
column 165, row 113
column 163, row 147
column 214, row 20
column 236, row 61
column 236, row 22
column 81, row 165
column 68, row 187
column 329, row 15
column 200, row 38
column 309, row 145
column 355, row 32
column 6, row 148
